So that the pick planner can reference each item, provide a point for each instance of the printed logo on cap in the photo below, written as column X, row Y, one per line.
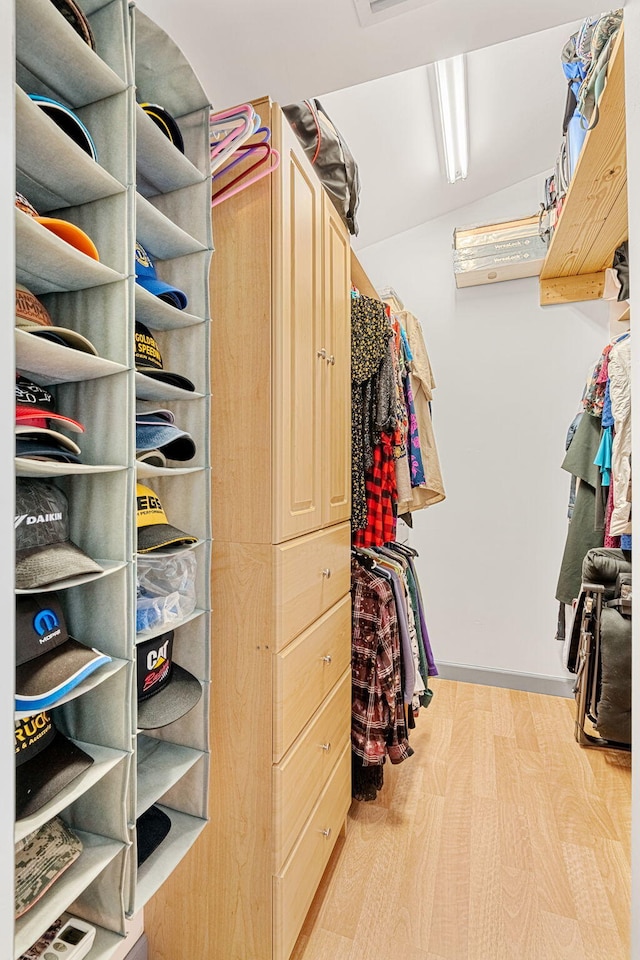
column 32, row 734
column 143, row 258
column 147, row 350
column 41, row 526
column 28, row 307
column 154, row 665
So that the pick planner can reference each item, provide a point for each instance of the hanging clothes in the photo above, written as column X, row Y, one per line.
column 370, row 333
column 585, row 530
column 422, row 383
column 378, row 725
column 620, row 391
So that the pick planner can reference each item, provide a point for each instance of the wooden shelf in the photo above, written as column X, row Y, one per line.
column 360, row 279
column 594, row 218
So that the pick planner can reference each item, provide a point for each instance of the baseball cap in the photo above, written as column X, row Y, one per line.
column 154, row 458
column 41, row 444
column 33, row 316
column 147, row 277
column 36, row 407
column 46, row 762
column 74, row 15
column 148, row 359
column 49, row 663
column 152, row 826
column 68, row 121
column 40, row 859
column 163, row 119
column 166, row 691
column 44, row 552
column 62, row 228
column 154, row 530
column 156, row 430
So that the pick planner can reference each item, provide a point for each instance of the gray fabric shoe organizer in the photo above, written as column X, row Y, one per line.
column 141, row 188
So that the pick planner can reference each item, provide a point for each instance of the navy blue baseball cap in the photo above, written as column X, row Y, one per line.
column 49, row 663
column 68, row 121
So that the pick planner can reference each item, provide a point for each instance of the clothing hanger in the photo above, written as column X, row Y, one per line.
column 363, row 559
column 240, row 122
column 266, row 135
column 238, row 183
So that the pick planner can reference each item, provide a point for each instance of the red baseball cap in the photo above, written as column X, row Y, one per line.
column 35, row 407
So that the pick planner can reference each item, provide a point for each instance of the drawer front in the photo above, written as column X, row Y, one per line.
column 299, row 778
column 311, row 574
column 305, row 672
column 295, row 885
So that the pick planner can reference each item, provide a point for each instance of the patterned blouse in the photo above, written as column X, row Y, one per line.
column 370, row 332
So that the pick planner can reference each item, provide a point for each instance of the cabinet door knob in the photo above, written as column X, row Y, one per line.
column 331, row 359
column 326, row 659
column 326, row 746
column 322, row 354
column 326, row 833
column 326, row 572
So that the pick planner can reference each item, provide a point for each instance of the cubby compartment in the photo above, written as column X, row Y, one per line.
column 72, row 890
column 51, row 56
column 47, row 264
column 99, row 314
column 52, row 171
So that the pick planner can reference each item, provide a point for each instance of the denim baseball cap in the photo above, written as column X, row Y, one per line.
column 157, row 431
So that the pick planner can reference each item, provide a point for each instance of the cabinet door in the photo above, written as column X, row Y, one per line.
column 298, row 346
column 336, row 441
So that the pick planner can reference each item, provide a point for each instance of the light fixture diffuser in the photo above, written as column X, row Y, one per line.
column 451, row 85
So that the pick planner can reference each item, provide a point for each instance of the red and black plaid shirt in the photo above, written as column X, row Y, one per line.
column 382, row 495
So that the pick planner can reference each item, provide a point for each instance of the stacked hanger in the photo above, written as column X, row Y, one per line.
column 229, row 132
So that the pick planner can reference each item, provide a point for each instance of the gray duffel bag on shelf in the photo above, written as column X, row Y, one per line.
column 331, row 157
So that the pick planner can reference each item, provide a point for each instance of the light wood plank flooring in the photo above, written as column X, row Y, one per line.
column 500, row 839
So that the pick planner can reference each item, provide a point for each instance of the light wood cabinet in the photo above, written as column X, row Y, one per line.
column 280, row 785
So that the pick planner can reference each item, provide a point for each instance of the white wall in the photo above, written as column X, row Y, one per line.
column 510, row 376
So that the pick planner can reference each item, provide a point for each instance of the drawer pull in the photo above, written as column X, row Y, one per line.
column 326, row 572
column 326, row 833
column 331, row 359
column 326, row 746
column 322, row 354
column 326, row 659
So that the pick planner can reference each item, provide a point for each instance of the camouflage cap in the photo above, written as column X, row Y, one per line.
column 40, row 859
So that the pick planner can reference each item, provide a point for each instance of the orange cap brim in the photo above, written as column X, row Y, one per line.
column 72, row 234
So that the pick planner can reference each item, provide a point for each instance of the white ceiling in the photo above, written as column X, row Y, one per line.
column 373, row 83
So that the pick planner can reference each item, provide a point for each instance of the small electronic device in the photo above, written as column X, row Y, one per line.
column 73, row 941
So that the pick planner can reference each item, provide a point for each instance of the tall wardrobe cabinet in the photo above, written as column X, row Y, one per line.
column 280, row 783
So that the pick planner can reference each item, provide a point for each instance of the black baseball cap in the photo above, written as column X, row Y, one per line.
column 166, row 122
column 46, row 762
column 148, row 360
column 44, row 552
column 166, row 691
column 49, row 663
column 152, row 826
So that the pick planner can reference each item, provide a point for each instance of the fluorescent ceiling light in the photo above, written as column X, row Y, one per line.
column 451, row 84
column 373, row 11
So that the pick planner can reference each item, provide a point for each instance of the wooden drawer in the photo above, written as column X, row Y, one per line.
column 295, row 885
column 299, row 778
column 306, row 670
column 311, row 573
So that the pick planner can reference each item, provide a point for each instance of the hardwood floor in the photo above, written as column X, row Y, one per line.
column 500, row 839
